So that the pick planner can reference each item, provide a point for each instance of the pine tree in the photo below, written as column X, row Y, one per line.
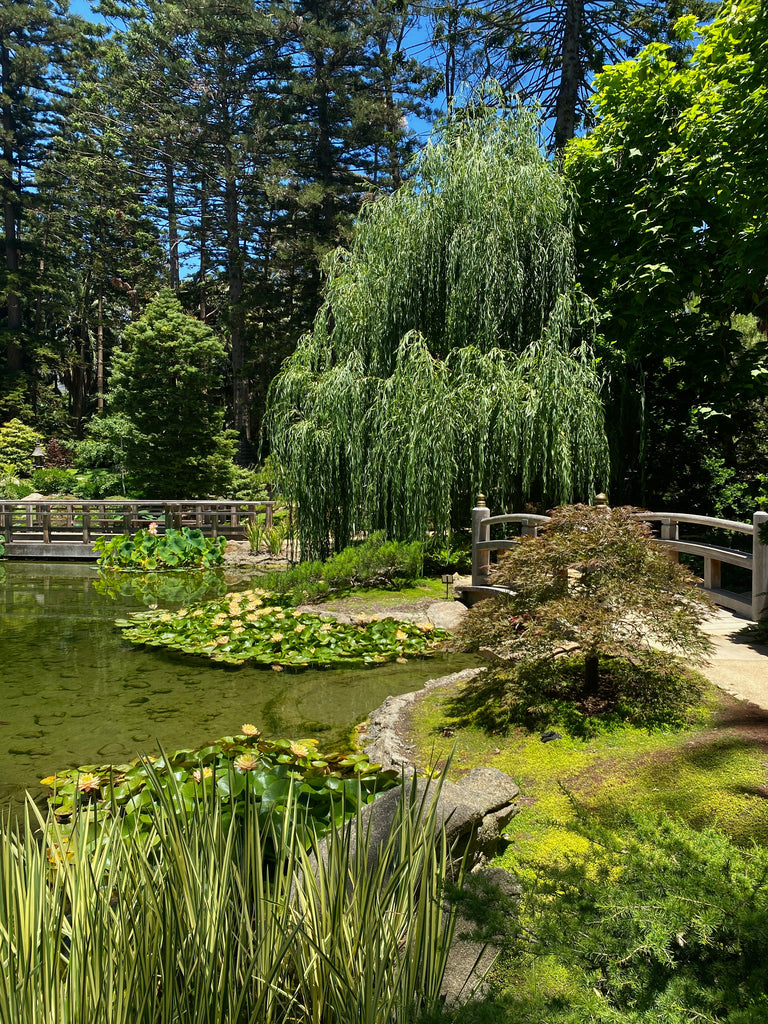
column 166, row 384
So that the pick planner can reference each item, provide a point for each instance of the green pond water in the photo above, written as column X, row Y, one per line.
column 73, row 692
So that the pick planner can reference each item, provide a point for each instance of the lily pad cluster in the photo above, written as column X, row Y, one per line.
column 248, row 626
column 150, row 550
column 328, row 787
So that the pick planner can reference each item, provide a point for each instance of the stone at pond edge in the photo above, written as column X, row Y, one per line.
column 473, row 813
column 475, row 810
column 382, row 740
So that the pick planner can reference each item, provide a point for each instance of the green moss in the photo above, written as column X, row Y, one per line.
column 422, row 590
column 705, row 774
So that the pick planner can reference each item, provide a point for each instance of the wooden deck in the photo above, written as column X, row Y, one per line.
column 66, row 529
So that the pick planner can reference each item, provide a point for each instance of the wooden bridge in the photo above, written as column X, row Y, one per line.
column 751, row 604
column 66, row 529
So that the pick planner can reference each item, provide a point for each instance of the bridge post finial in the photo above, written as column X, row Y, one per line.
column 480, row 556
column 601, row 500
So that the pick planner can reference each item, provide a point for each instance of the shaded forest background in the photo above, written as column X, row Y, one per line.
column 223, row 152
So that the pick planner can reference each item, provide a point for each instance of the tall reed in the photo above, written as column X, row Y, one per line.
column 191, row 925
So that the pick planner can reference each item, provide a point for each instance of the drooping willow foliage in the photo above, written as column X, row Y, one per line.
column 452, row 351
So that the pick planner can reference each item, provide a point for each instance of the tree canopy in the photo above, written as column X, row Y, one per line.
column 164, row 386
column 673, row 237
column 452, row 351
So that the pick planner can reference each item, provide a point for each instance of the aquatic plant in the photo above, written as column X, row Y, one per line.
column 328, row 787
column 149, row 550
column 250, row 626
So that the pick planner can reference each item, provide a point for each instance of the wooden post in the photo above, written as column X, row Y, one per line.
column 176, row 517
column 268, row 515
column 7, row 517
column 759, row 566
column 480, row 558
column 86, row 525
column 670, row 530
column 47, row 526
column 529, row 529
column 712, row 573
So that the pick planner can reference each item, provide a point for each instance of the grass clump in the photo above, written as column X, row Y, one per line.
column 188, row 923
column 376, row 562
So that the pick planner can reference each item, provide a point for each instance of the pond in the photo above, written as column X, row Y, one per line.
column 74, row 692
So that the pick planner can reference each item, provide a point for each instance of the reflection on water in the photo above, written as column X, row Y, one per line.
column 73, row 692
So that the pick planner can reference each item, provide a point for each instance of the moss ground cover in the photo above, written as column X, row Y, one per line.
column 642, row 858
column 710, row 773
column 249, row 626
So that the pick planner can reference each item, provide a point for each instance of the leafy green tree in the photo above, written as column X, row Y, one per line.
column 451, row 353
column 17, row 442
column 166, row 384
column 673, row 245
column 592, row 585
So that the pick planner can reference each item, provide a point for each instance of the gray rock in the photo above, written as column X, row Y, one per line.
column 382, row 739
column 446, row 614
column 469, row 959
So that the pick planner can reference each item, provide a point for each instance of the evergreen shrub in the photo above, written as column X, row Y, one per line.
column 376, row 562
column 17, row 442
column 54, row 481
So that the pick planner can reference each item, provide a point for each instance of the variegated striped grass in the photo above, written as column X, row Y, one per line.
column 195, row 924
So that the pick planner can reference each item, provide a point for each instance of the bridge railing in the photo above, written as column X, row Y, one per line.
column 752, row 604
column 755, row 560
column 46, row 522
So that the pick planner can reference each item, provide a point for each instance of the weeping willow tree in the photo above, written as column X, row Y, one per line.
column 451, row 353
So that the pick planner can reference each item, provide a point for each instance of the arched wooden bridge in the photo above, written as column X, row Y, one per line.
column 751, row 604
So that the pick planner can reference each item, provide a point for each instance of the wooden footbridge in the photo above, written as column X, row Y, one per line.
column 752, row 603
column 66, row 529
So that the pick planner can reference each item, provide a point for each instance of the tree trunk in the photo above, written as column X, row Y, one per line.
column 568, row 91
column 591, row 674
column 203, row 242
column 173, row 224
column 10, row 218
column 240, row 388
column 100, row 352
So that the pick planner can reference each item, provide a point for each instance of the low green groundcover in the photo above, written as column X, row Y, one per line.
column 245, row 626
column 328, row 787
